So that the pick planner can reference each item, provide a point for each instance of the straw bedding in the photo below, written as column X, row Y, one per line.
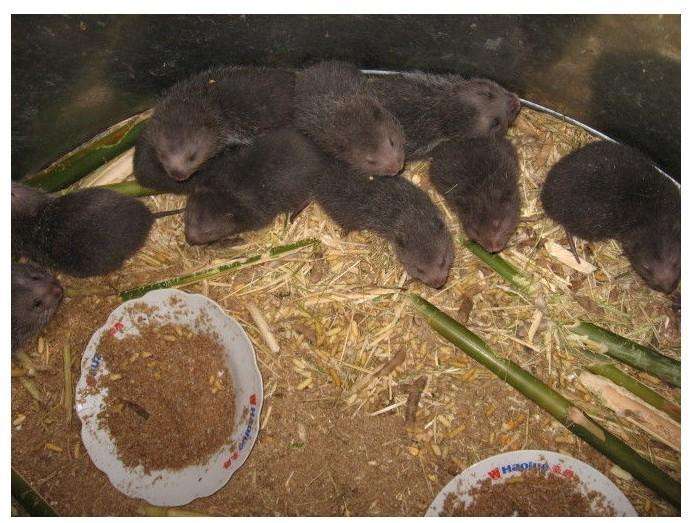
column 334, row 439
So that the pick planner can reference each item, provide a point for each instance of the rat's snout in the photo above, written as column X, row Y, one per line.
column 393, row 167
column 436, row 279
column 195, row 231
column 56, row 291
column 199, row 233
column 514, row 107
column 201, row 229
column 665, row 280
column 493, row 244
column 50, row 292
column 178, row 174
column 395, row 160
column 196, row 235
column 487, row 242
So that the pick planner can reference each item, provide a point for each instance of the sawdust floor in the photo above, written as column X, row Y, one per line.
column 328, row 446
column 312, row 456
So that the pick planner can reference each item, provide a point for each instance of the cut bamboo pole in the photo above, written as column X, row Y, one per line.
column 117, row 170
column 630, row 407
column 600, row 340
column 633, row 354
column 188, row 279
column 634, row 386
column 31, row 500
column 553, row 402
column 81, row 161
column 126, row 188
column 507, row 271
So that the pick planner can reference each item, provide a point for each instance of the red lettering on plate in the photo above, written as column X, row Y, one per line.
column 227, row 463
column 235, row 455
column 116, row 328
column 253, row 399
column 494, row 473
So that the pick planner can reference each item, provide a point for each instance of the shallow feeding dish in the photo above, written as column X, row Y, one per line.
column 173, row 487
column 511, row 464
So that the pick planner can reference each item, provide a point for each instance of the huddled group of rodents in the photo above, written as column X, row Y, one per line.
column 246, row 144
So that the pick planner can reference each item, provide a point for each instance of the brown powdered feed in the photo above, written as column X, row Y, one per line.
column 170, row 398
column 530, row 494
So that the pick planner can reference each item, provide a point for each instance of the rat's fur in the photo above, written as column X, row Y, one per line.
column 85, row 233
column 396, row 210
column 35, row 298
column 283, row 170
column 246, row 188
column 200, row 116
column 433, row 107
column 26, row 204
column 479, row 180
column 335, row 108
column 611, row 191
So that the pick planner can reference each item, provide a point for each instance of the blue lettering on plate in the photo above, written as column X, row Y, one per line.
column 248, row 428
column 521, row 467
column 96, row 361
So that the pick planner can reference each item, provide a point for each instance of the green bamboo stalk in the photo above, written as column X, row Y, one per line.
column 31, row 500
column 553, row 402
column 81, row 161
column 629, row 352
column 634, row 386
column 506, row 270
column 188, row 279
column 126, row 188
column 131, row 189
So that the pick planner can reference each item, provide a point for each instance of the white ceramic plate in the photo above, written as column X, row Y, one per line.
column 504, row 466
column 174, row 487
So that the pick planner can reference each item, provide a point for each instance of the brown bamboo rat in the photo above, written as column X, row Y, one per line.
column 479, row 180
column 35, row 298
column 337, row 110
column 396, row 210
column 84, row 233
column 432, row 107
column 610, row 191
column 202, row 115
column 283, row 170
column 246, row 188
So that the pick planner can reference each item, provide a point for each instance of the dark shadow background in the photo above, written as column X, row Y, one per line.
column 73, row 76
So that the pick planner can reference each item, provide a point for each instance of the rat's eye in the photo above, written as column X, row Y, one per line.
column 489, row 95
column 191, row 157
column 391, row 142
column 37, row 303
column 496, row 123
